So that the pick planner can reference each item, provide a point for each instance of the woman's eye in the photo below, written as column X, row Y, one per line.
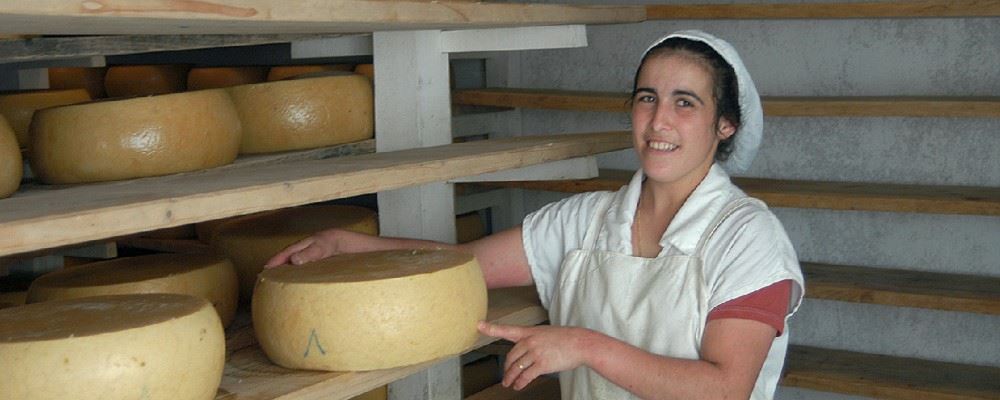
column 646, row 99
column 684, row 103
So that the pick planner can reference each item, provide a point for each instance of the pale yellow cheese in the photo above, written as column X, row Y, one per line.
column 89, row 79
column 367, row 311
column 126, row 347
column 250, row 242
column 145, row 80
column 304, row 113
column 220, row 77
column 366, row 70
column 279, row 72
column 19, row 107
column 209, row 276
column 11, row 165
column 131, row 138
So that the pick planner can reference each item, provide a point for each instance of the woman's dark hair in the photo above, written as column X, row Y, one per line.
column 724, row 90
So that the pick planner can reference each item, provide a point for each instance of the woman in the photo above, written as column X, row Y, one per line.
column 678, row 286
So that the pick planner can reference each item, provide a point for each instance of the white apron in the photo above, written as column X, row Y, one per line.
column 657, row 304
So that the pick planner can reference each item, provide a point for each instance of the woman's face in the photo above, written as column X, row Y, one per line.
column 673, row 119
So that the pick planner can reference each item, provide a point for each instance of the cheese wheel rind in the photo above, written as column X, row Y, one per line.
column 150, row 346
column 89, row 79
column 145, row 80
column 249, row 242
column 19, row 107
column 304, row 113
column 132, row 138
column 281, row 72
column 221, row 77
column 11, row 164
column 367, row 311
column 208, row 276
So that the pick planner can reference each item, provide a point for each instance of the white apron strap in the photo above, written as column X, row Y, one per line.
column 594, row 229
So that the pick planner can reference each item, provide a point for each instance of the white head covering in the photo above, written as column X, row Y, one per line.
column 748, row 137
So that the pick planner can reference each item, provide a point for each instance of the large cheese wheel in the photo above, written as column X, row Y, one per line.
column 11, row 165
column 250, row 242
column 208, row 276
column 304, row 113
column 279, row 72
column 89, row 79
column 366, row 70
column 145, row 80
column 131, row 138
column 12, row 299
column 125, row 347
column 366, row 311
column 19, row 107
column 220, row 77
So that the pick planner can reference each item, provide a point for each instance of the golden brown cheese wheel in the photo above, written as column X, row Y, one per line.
column 131, row 138
column 19, row 107
column 206, row 230
column 125, row 347
column 469, row 227
column 145, row 80
column 220, row 77
column 366, row 70
column 250, row 242
column 304, row 113
column 89, row 79
column 209, row 276
column 367, row 311
column 13, row 299
column 280, row 72
column 11, row 164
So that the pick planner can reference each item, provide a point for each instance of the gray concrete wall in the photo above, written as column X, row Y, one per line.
column 879, row 57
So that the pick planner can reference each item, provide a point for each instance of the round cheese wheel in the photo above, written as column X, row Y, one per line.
column 11, row 164
column 131, row 138
column 367, row 311
column 304, row 113
column 250, row 242
column 366, row 70
column 149, row 346
column 19, row 107
column 220, row 77
column 145, row 80
column 280, row 72
column 89, row 79
column 13, row 299
column 211, row 277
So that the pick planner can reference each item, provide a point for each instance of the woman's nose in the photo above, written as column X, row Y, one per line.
column 662, row 118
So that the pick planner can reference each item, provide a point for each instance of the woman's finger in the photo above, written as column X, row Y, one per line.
column 309, row 254
column 528, row 374
column 509, row 332
column 513, row 370
column 284, row 256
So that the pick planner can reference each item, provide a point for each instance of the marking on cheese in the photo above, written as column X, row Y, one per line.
column 313, row 338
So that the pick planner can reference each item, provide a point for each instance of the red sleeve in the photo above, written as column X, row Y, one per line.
column 768, row 305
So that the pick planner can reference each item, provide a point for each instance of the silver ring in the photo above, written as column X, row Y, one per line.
column 520, row 366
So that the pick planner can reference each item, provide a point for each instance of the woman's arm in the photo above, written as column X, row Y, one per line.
column 501, row 256
column 732, row 354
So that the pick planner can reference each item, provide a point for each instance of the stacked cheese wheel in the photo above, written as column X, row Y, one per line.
column 220, row 77
column 281, row 72
column 250, row 242
column 10, row 160
column 366, row 311
column 145, row 80
column 125, row 347
column 208, row 276
column 19, row 107
column 89, row 79
column 304, row 113
column 139, row 137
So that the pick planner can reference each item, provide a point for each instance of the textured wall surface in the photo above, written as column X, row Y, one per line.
column 877, row 57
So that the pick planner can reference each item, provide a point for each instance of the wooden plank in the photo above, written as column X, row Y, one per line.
column 886, row 377
column 249, row 375
column 950, row 292
column 277, row 16
column 965, row 200
column 880, row 9
column 542, row 388
column 773, row 106
column 46, row 218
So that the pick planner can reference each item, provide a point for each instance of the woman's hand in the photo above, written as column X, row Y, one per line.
column 538, row 350
column 316, row 247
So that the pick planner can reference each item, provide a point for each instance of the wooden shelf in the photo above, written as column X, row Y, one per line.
column 275, row 16
column 949, row 292
column 881, row 9
column 818, row 194
column 887, row 377
column 773, row 106
column 41, row 217
column 542, row 388
column 249, row 375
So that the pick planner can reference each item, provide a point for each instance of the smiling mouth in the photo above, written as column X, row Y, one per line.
column 661, row 146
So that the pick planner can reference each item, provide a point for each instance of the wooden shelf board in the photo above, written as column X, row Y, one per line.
column 114, row 17
column 878, row 9
column 42, row 218
column 887, row 377
column 818, row 194
column 249, row 375
column 773, row 106
column 949, row 292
